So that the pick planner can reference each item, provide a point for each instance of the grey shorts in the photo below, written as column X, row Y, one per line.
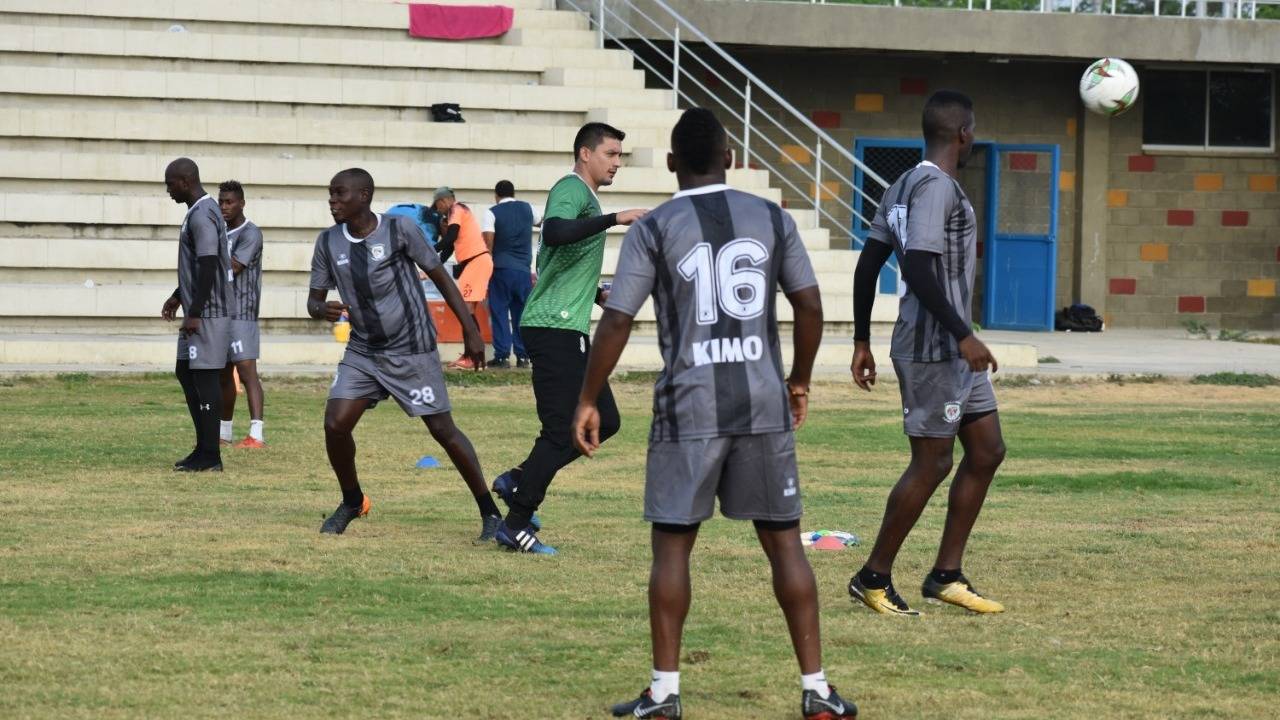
column 937, row 395
column 415, row 381
column 245, row 341
column 753, row 475
column 209, row 348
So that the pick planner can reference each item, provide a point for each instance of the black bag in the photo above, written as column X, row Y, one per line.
column 446, row 112
column 1077, row 318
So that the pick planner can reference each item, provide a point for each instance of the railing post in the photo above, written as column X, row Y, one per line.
column 817, row 186
column 746, row 130
column 1113, row 7
column 1157, row 4
column 600, row 23
column 675, row 72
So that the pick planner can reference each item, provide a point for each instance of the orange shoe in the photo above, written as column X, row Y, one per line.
column 250, row 442
column 462, row 363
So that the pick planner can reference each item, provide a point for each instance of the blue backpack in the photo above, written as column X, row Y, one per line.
column 423, row 215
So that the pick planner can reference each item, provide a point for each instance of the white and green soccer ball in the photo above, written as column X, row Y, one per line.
column 1109, row 86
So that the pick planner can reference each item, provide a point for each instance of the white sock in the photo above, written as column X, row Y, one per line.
column 816, row 682
column 225, row 432
column 664, row 685
column 255, row 430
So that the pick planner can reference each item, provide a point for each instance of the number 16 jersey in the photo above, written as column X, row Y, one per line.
column 713, row 259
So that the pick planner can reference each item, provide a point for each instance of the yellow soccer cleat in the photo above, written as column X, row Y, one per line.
column 885, row 601
column 961, row 594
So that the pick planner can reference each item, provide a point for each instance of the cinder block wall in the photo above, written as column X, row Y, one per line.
column 1191, row 237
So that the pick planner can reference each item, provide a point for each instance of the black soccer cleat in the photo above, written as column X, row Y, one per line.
column 488, row 528
column 834, row 707
column 187, row 460
column 645, row 707
column 342, row 517
column 201, row 463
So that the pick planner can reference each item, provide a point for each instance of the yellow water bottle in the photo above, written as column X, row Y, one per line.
column 342, row 329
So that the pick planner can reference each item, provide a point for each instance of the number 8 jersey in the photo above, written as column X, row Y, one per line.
column 713, row 259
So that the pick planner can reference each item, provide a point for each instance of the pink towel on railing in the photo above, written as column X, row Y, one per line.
column 458, row 22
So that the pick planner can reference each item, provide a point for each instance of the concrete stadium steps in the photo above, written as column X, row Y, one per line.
column 323, row 352
column 229, row 135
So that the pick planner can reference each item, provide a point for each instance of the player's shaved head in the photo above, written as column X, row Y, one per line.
column 945, row 114
column 183, row 168
column 699, row 141
column 354, row 178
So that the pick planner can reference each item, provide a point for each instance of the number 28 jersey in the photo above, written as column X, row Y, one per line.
column 713, row 260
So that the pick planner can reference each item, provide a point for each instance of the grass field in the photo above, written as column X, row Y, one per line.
column 1132, row 532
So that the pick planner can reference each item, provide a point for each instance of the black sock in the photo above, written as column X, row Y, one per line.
column 515, row 521
column 943, row 577
column 353, row 497
column 874, row 580
column 488, row 508
column 208, row 411
column 183, row 373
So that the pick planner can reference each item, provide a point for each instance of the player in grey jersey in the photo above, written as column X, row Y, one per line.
column 713, row 259
column 245, row 242
column 370, row 260
column 204, row 294
column 943, row 369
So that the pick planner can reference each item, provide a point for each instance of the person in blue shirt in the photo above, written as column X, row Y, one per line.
column 508, row 231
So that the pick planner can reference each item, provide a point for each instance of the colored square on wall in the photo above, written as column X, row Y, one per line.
column 1117, row 198
column 1071, row 127
column 826, row 119
column 1066, row 181
column 1208, row 182
column 868, row 102
column 830, row 189
column 1262, row 288
column 796, row 154
column 1022, row 161
column 1190, row 303
column 1154, row 252
column 913, row 86
column 1181, row 217
column 1142, row 163
column 1123, row 286
column 1262, row 183
column 1235, row 218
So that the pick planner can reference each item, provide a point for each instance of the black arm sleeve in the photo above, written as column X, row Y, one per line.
column 206, row 271
column 917, row 270
column 559, row 231
column 866, row 276
column 445, row 246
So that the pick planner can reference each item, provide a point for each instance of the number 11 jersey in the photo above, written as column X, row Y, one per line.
column 713, row 258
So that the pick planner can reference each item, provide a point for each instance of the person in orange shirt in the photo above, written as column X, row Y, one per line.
column 461, row 237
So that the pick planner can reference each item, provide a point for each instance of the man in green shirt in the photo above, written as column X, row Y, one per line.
column 554, row 327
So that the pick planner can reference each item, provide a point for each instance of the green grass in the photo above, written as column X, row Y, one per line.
column 1132, row 533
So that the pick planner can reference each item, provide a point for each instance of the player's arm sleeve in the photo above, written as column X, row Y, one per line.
column 206, row 272
column 321, row 268
column 796, row 270
column 445, row 246
column 879, row 231
column 563, row 224
column 634, row 277
column 204, row 231
column 866, row 277
column 917, row 271
column 930, row 203
column 415, row 245
column 248, row 247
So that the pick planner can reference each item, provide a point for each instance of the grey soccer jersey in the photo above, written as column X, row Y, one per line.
column 376, row 277
column 925, row 209
column 203, row 234
column 246, row 248
column 713, row 258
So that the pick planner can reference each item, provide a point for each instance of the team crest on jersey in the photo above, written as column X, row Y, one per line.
column 951, row 412
column 342, row 259
column 377, row 251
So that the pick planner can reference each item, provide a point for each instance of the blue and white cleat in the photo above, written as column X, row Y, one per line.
column 504, row 486
column 524, row 541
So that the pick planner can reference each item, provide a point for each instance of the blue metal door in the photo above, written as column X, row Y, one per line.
column 1021, row 254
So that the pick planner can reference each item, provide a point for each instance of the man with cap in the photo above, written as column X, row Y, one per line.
column 461, row 238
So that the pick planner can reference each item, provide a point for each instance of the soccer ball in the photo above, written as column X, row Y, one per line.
column 1109, row 86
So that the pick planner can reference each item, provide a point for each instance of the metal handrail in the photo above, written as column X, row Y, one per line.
column 1228, row 9
column 754, row 117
